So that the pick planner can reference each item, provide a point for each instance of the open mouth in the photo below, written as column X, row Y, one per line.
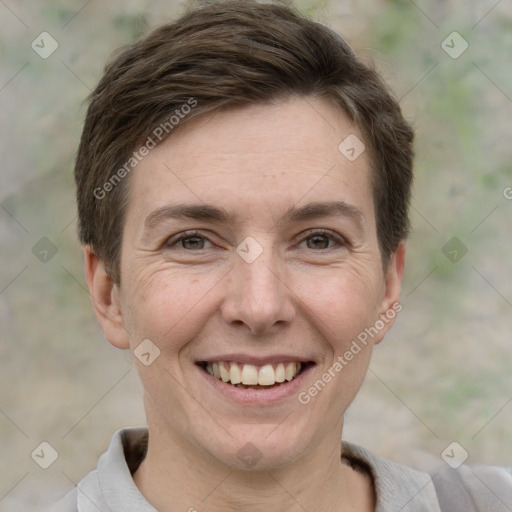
column 249, row 376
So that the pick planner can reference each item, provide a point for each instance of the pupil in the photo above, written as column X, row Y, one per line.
column 193, row 242
column 318, row 242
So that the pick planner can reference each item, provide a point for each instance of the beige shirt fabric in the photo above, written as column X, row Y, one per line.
column 110, row 488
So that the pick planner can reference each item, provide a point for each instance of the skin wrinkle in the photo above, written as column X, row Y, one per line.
column 211, row 213
column 291, row 299
column 224, row 242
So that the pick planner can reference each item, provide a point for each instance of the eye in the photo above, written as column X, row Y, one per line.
column 190, row 241
column 318, row 242
column 322, row 240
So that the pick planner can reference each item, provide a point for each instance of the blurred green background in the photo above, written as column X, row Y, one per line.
column 442, row 374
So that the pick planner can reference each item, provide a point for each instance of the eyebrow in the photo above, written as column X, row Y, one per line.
column 192, row 211
column 309, row 211
column 317, row 210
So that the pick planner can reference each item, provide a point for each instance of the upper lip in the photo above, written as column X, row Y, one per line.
column 258, row 360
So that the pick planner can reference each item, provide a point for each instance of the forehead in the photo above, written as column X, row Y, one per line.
column 262, row 158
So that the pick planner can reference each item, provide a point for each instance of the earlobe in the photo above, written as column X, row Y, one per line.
column 390, row 305
column 105, row 300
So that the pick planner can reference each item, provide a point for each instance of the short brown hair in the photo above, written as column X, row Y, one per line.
column 220, row 56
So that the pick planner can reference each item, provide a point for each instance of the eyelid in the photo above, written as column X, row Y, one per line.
column 322, row 231
column 173, row 240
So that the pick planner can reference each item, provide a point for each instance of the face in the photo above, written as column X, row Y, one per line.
column 250, row 252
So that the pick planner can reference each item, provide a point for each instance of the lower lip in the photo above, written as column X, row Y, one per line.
column 257, row 396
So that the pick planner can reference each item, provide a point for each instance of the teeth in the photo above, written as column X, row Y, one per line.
column 249, row 374
column 243, row 375
column 224, row 374
column 235, row 375
column 280, row 373
column 290, row 371
column 266, row 376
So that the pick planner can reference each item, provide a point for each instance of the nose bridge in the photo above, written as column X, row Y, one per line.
column 261, row 277
column 258, row 296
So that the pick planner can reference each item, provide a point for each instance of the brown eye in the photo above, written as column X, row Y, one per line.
column 318, row 242
column 321, row 240
column 188, row 241
column 192, row 242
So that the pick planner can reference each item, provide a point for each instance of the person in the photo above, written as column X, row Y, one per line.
column 243, row 182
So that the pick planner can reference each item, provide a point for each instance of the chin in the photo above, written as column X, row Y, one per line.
column 261, row 447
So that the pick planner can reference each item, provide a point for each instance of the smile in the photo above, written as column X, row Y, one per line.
column 250, row 376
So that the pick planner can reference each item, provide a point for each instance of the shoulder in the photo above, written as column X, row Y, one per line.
column 397, row 487
column 474, row 488
column 110, row 486
column 466, row 489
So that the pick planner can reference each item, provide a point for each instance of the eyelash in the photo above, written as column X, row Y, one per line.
column 171, row 242
column 330, row 235
column 339, row 240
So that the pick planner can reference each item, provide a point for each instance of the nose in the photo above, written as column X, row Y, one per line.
column 258, row 296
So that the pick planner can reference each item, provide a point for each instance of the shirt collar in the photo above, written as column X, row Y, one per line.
column 398, row 488
column 111, row 486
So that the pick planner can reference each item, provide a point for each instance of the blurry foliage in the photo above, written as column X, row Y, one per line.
column 58, row 13
column 395, row 28
column 135, row 25
column 452, row 163
column 310, row 8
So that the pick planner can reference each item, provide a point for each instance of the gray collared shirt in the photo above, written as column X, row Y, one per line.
column 110, row 488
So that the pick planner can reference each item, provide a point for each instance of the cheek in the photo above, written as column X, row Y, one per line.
column 170, row 308
column 341, row 305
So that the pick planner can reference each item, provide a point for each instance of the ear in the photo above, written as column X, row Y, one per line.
column 105, row 300
column 390, row 304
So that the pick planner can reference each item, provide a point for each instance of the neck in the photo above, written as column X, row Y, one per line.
column 177, row 476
